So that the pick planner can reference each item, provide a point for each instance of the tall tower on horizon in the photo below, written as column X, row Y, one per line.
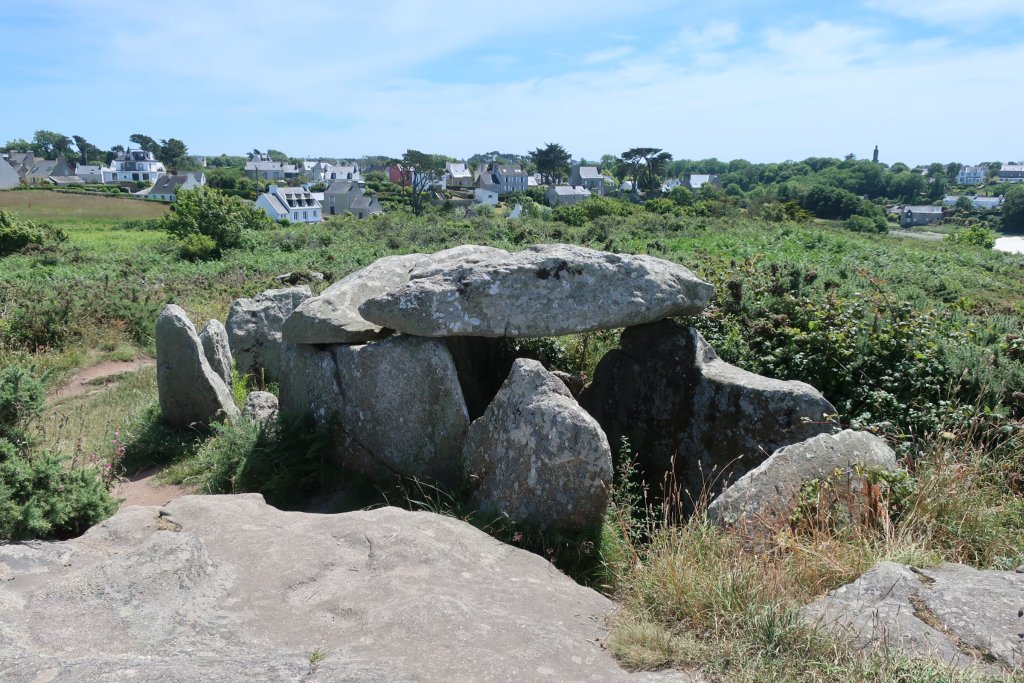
column 874, row 157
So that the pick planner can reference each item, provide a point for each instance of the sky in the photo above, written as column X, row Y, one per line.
column 763, row 80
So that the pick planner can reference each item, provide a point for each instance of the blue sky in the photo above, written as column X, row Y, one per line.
column 926, row 80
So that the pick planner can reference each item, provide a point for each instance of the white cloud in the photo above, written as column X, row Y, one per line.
column 715, row 35
column 608, row 55
column 958, row 13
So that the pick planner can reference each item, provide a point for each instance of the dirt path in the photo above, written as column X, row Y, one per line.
column 142, row 490
column 80, row 383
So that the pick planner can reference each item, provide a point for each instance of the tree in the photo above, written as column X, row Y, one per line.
column 552, row 162
column 1013, row 210
column 49, row 145
column 18, row 145
column 648, row 166
column 87, row 150
column 173, row 153
column 427, row 170
column 206, row 211
column 145, row 143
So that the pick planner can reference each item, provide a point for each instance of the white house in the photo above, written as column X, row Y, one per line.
column 563, row 195
column 133, row 165
column 167, row 187
column 483, row 195
column 971, row 175
column 294, row 203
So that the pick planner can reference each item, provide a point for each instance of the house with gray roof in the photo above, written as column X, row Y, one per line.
column 565, row 195
column 167, row 187
column 1011, row 173
column 89, row 173
column 912, row 216
column 41, row 170
column 366, row 206
column 589, row 177
column 270, row 170
column 8, row 177
column 504, row 178
column 294, row 203
column 346, row 196
column 457, row 174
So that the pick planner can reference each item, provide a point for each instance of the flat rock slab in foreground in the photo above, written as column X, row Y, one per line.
column 227, row 588
column 544, row 291
column 958, row 614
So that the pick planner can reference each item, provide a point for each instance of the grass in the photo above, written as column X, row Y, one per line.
column 64, row 209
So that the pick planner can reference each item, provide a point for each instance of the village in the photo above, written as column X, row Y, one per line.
column 312, row 190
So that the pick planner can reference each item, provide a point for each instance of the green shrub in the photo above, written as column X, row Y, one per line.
column 16, row 233
column 198, row 248
column 42, row 495
column 206, row 211
column 866, row 224
column 976, row 235
column 573, row 215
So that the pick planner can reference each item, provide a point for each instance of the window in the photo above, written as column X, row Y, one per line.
column 135, row 176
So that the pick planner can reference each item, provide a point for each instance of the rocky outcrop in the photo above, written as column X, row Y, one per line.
column 401, row 403
column 536, row 456
column 260, row 407
column 688, row 413
column 544, row 291
column 226, row 588
column 764, row 497
column 190, row 392
column 333, row 317
column 254, row 330
column 217, row 349
column 963, row 616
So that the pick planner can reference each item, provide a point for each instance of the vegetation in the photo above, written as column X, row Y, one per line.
column 208, row 222
column 918, row 341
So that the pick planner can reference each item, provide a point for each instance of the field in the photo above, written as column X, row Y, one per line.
column 921, row 342
column 72, row 209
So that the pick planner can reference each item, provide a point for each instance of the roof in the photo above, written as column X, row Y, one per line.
column 66, row 180
column 923, row 209
column 1016, row 168
column 276, row 203
column 701, row 179
column 509, row 169
column 82, row 169
column 42, row 167
column 590, row 173
column 458, row 170
column 342, row 187
column 569, row 190
column 364, row 202
column 168, row 184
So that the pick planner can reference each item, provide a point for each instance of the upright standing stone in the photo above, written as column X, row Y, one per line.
column 217, row 349
column 190, row 392
column 690, row 414
column 537, row 456
column 401, row 402
column 254, row 329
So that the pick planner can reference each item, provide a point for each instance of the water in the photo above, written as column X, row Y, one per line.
column 1013, row 245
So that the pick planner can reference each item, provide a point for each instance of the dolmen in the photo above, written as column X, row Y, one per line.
column 392, row 359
